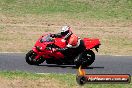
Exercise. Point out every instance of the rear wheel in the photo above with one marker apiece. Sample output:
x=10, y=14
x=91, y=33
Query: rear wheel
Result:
x=30, y=58
x=85, y=59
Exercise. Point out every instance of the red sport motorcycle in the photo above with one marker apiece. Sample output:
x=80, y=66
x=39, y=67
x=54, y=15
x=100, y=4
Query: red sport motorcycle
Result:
x=43, y=51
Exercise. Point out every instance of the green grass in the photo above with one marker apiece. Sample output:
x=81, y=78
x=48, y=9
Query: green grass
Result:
x=79, y=9
x=67, y=79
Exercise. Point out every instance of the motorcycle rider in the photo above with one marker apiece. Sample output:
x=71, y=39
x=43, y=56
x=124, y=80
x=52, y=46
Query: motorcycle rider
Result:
x=72, y=40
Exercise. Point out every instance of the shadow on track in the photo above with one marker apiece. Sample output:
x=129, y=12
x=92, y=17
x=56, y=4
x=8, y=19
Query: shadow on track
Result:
x=70, y=66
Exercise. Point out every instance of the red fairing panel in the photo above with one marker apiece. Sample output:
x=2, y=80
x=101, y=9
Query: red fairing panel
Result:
x=91, y=43
x=60, y=42
x=57, y=55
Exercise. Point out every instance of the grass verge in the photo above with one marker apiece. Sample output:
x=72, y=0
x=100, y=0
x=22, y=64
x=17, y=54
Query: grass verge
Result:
x=116, y=41
x=32, y=80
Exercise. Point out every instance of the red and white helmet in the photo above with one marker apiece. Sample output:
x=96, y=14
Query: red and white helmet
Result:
x=65, y=30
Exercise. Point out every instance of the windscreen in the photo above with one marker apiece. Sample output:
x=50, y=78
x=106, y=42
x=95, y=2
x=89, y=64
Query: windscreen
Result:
x=46, y=38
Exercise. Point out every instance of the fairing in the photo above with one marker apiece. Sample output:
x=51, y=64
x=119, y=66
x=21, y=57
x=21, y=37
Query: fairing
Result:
x=40, y=48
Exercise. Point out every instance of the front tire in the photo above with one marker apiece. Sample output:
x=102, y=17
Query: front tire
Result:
x=30, y=58
x=85, y=59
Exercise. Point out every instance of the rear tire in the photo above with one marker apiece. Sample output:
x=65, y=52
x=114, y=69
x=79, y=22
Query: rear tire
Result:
x=85, y=59
x=30, y=58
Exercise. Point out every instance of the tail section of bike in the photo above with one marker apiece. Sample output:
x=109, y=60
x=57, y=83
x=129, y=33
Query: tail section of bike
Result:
x=91, y=43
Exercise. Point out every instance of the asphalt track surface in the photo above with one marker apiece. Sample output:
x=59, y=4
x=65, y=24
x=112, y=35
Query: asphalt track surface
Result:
x=102, y=65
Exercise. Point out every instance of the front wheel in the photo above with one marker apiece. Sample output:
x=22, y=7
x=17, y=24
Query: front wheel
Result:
x=30, y=58
x=85, y=59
